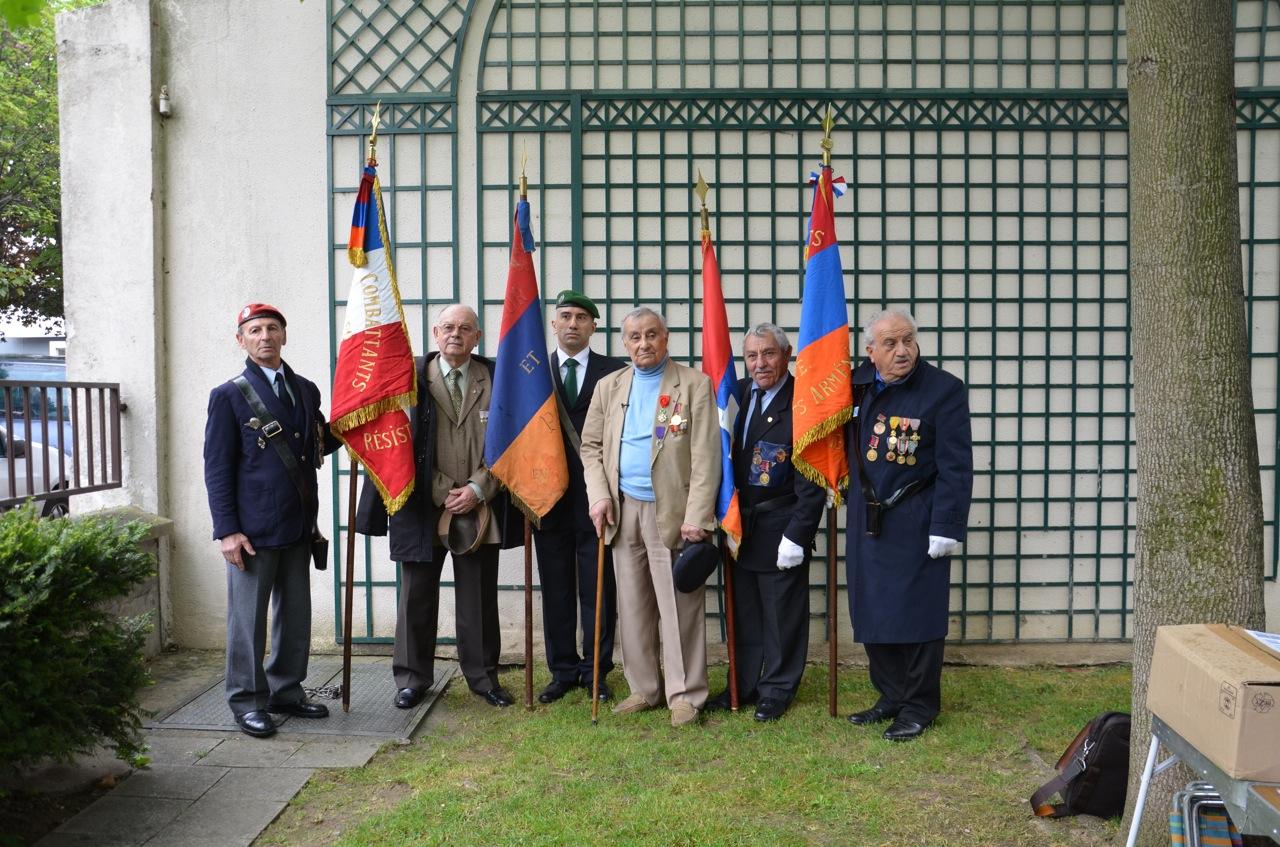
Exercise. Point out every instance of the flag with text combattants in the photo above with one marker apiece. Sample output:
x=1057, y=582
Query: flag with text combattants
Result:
x=374, y=382
x=717, y=363
x=523, y=444
x=823, y=401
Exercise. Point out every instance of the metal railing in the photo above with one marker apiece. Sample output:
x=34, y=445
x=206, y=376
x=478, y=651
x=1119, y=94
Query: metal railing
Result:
x=58, y=439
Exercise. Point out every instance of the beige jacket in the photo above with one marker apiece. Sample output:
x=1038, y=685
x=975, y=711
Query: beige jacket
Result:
x=460, y=443
x=685, y=467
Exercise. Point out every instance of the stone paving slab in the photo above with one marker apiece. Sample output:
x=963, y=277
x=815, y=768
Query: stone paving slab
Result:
x=323, y=753
x=131, y=820
x=258, y=783
x=222, y=820
x=186, y=748
x=176, y=782
x=246, y=752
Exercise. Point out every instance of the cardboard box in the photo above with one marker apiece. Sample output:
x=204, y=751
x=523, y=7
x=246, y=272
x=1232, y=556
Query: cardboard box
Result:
x=1219, y=688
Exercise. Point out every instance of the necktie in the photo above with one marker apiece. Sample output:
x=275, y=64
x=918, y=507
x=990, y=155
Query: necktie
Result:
x=455, y=391
x=571, y=380
x=757, y=397
x=282, y=392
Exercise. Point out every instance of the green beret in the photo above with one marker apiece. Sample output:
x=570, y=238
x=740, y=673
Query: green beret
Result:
x=569, y=297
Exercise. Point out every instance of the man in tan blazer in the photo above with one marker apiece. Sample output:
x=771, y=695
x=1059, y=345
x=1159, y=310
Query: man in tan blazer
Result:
x=452, y=485
x=651, y=456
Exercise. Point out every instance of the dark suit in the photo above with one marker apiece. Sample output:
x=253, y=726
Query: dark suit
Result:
x=898, y=596
x=252, y=492
x=771, y=605
x=567, y=546
x=415, y=541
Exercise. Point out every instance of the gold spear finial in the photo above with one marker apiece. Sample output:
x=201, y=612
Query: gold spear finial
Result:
x=827, y=125
x=373, y=134
x=524, y=180
x=700, y=188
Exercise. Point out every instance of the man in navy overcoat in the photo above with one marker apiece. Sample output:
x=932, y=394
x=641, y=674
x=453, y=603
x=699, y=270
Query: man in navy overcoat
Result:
x=263, y=517
x=911, y=478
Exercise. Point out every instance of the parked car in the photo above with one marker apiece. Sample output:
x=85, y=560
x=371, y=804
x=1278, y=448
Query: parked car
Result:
x=20, y=449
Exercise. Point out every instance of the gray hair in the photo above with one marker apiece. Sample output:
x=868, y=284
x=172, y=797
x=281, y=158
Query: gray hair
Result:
x=440, y=314
x=766, y=329
x=869, y=338
x=644, y=312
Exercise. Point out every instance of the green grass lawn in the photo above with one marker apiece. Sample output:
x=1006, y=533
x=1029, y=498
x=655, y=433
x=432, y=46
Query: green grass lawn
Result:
x=478, y=775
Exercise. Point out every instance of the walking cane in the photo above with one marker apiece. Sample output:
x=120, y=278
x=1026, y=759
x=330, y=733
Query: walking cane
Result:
x=726, y=560
x=595, y=652
x=351, y=578
x=528, y=615
x=833, y=589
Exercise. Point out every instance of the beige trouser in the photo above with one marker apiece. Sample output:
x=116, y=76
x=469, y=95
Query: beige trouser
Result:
x=649, y=605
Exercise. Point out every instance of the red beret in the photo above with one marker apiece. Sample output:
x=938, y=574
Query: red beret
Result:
x=259, y=310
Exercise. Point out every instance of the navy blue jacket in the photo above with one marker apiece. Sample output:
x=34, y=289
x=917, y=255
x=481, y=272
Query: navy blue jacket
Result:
x=250, y=490
x=762, y=472
x=897, y=594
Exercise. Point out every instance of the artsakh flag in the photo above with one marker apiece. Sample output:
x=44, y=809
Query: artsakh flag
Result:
x=523, y=445
x=717, y=363
x=823, y=401
x=374, y=382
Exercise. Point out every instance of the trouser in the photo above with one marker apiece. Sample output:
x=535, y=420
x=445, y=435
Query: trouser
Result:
x=281, y=577
x=771, y=632
x=909, y=678
x=567, y=575
x=649, y=606
x=475, y=578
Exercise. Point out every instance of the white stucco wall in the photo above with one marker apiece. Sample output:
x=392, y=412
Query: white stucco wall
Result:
x=172, y=224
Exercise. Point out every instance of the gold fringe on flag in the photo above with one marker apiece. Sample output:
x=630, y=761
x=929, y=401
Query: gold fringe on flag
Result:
x=393, y=504
x=814, y=435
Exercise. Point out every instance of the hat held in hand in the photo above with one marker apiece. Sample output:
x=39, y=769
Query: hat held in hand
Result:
x=696, y=562
x=464, y=534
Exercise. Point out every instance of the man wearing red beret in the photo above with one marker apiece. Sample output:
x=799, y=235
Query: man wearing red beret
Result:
x=263, y=441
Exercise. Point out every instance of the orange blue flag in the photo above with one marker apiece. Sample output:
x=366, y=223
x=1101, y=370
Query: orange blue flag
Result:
x=374, y=381
x=717, y=363
x=523, y=445
x=823, y=401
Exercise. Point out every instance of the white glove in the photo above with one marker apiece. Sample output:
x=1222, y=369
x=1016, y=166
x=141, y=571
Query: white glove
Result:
x=790, y=554
x=939, y=546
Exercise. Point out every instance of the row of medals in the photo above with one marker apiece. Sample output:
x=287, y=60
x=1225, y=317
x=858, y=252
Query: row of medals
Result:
x=901, y=446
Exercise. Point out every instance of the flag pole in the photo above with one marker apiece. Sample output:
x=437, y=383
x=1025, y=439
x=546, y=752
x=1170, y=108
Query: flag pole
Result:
x=595, y=649
x=833, y=584
x=350, y=587
x=528, y=532
x=700, y=188
x=349, y=596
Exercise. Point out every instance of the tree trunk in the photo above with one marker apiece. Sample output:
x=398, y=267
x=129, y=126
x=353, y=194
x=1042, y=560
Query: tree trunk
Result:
x=1199, y=507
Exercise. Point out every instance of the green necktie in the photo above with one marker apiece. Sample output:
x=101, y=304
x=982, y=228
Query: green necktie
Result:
x=455, y=392
x=571, y=380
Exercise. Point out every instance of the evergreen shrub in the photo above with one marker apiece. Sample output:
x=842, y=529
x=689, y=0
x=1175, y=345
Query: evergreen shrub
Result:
x=70, y=669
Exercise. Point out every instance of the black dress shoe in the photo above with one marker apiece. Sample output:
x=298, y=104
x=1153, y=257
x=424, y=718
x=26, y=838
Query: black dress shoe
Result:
x=554, y=691
x=407, y=698
x=497, y=696
x=903, y=730
x=256, y=723
x=873, y=715
x=300, y=709
x=770, y=709
x=722, y=703
x=605, y=694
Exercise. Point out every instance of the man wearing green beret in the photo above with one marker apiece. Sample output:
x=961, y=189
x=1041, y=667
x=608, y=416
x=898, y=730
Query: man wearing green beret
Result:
x=566, y=541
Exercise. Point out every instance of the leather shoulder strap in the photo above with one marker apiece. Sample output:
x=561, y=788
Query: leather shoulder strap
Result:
x=272, y=429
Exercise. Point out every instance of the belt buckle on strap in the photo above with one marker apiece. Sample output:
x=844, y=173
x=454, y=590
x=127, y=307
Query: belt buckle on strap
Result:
x=272, y=429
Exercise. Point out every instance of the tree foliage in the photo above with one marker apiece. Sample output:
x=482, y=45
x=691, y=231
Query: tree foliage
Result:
x=22, y=13
x=30, y=201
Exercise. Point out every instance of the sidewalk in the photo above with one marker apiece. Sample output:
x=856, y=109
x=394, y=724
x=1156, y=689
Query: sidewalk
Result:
x=209, y=786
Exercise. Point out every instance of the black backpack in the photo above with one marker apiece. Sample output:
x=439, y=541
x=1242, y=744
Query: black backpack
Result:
x=1093, y=773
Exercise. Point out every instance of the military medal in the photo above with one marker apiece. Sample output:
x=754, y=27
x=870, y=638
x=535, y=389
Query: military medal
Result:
x=911, y=452
x=262, y=443
x=902, y=460
x=662, y=416
x=676, y=420
x=764, y=478
x=755, y=457
x=878, y=429
x=659, y=431
x=893, y=422
x=664, y=400
x=872, y=455
x=780, y=456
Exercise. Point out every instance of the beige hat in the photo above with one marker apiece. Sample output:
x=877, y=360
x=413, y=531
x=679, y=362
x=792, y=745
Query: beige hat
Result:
x=464, y=534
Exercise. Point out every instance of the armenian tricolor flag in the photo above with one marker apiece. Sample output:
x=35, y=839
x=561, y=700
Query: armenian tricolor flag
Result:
x=717, y=363
x=824, y=393
x=374, y=382
x=523, y=445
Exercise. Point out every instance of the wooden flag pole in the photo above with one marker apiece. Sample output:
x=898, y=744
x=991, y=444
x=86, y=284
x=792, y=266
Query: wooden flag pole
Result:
x=350, y=587
x=833, y=605
x=528, y=615
x=595, y=651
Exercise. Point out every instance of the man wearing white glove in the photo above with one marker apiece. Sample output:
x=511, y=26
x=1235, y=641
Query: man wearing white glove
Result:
x=780, y=514
x=911, y=478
